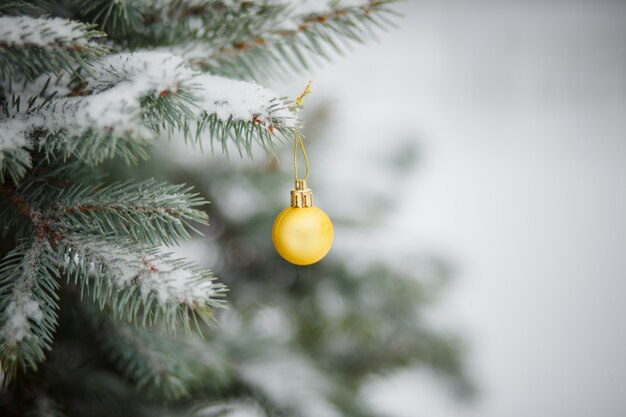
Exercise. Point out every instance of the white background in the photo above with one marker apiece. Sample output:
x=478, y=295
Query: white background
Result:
x=520, y=111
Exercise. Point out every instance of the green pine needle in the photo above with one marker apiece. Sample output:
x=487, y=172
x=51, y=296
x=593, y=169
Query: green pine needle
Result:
x=28, y=306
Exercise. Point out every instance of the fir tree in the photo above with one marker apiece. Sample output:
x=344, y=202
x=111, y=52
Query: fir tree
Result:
x=97, y=317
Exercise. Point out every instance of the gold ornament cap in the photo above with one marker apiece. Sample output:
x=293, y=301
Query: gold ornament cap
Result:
x=301, y=195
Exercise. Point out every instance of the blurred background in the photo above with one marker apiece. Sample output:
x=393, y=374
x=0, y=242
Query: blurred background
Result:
x=518, y=111
x=473, y=161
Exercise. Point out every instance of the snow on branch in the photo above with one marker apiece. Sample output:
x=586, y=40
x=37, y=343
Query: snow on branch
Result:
x=25, y=31
x=117, y=89
x=130, y=99
x=143, y=285
x=23, y=305
x=30, y=46
x=14, y=155
x=106, y=119
x=28, y=303
x=13, y=135
x=240, y=112
x=240, y=100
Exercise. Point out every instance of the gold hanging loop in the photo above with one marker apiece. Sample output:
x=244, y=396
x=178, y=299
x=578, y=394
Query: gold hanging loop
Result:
x=306, y=92
x=298, y=140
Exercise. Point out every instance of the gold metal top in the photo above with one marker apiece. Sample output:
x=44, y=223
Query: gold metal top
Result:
x=301, y=196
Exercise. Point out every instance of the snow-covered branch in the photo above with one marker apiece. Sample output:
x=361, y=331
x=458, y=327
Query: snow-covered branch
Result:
x=234, y=100
x=115, y=91
x=39, y=32
x=28, y=303
x=130, y=99
x=30, y=46
x=148, y=286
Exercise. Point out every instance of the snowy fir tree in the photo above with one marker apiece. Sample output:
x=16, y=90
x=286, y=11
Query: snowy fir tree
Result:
x=98, y=317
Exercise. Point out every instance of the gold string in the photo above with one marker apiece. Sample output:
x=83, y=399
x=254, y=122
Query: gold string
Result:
x=306, y=92
x=298, y=139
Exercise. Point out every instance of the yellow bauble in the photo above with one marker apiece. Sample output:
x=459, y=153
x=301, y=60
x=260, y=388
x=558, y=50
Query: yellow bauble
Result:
x=302, y=235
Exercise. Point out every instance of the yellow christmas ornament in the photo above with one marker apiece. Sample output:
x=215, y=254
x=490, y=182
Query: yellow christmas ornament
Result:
x=302, y=233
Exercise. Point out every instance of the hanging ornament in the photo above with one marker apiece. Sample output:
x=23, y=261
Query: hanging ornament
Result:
x=302, y=233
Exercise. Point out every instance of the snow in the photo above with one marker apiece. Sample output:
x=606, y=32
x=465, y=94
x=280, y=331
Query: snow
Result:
x=40, y=32
x=156, y=274
x=23, y=308
x=152, y=70
x=118, y=87
x=174, y=284
x=37, y=90
x=13, y=135
x=240, y=100
x=20, y=311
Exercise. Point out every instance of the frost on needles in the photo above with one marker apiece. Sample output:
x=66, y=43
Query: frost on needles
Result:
x=107, y=241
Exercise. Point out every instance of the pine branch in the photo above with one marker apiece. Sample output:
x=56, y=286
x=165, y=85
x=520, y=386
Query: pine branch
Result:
x=154, y=365
x=159, y=366
x=139, y=24
x=179, y=20
x=241, y=38
x=127, y=276
x=134, y=98
x=30, y=46
x=270, y=38
x=21, y=8
x=93, y=146
x=142, y=285
x=106, y=119
x=119, y=19
x=138, y=283
x=239, y=112
x=149, y=212
x=28, y=302
x=25, y=205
